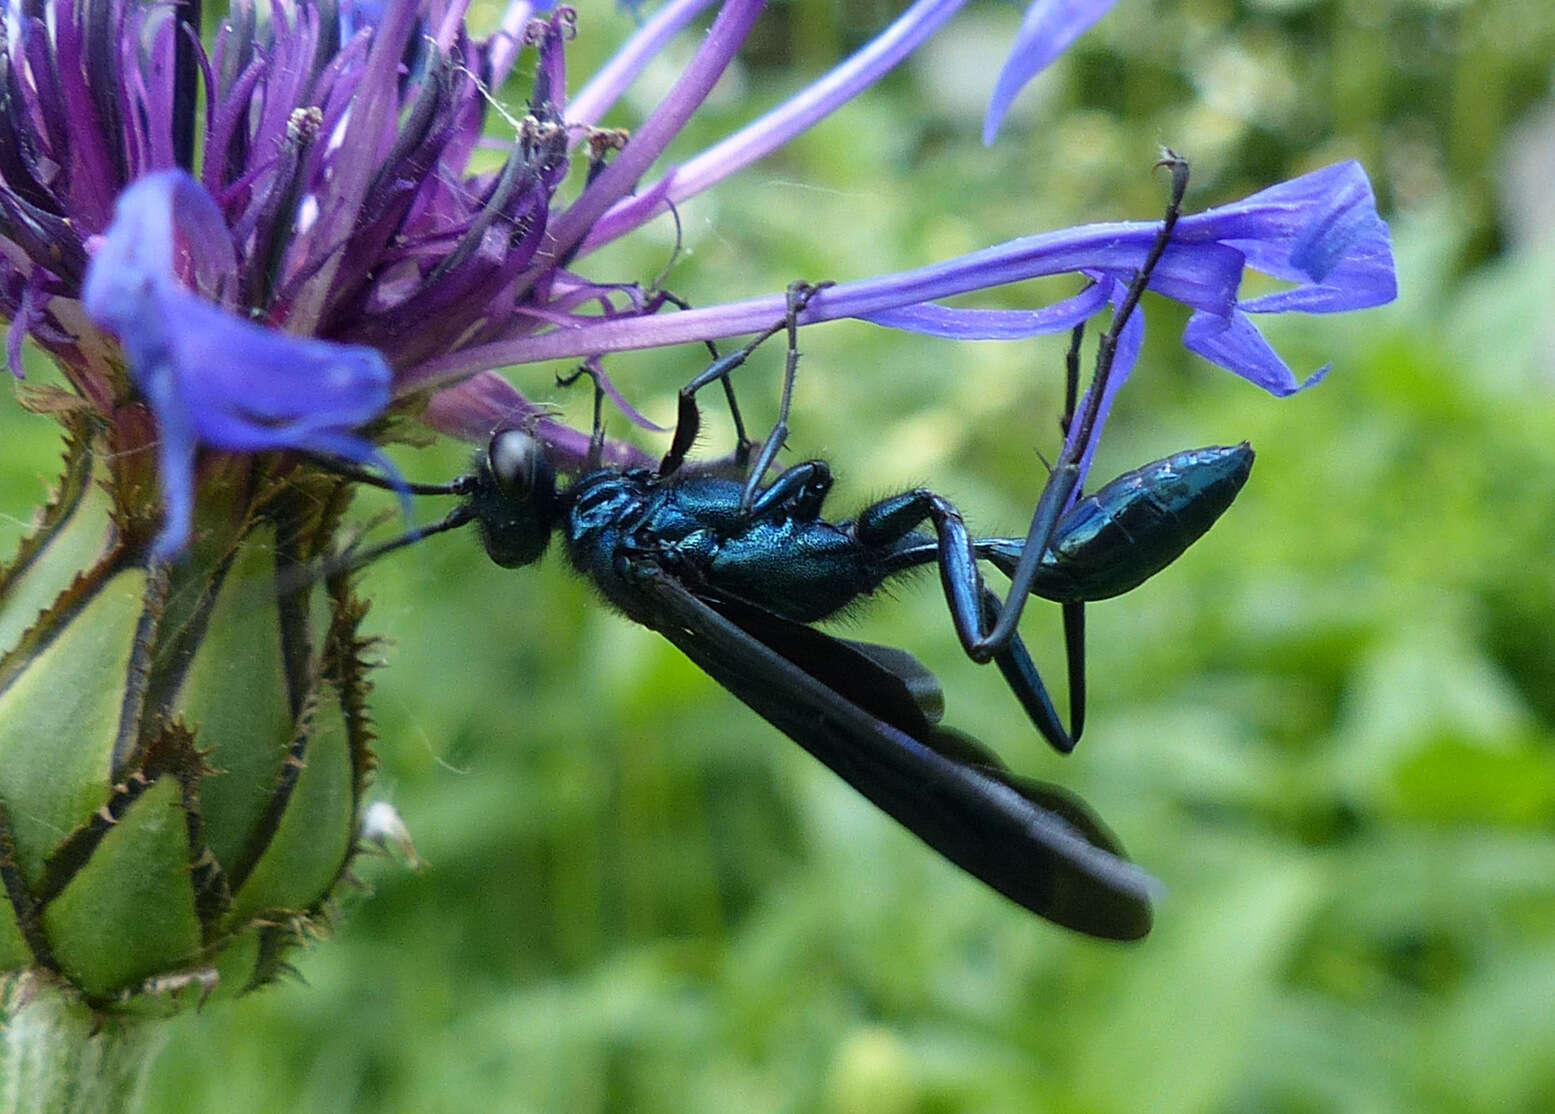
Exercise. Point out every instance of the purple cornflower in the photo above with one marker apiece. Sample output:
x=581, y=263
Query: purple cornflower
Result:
x=335, y=253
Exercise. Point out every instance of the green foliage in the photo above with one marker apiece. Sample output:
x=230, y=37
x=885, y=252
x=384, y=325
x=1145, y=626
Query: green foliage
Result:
x=1330, y=728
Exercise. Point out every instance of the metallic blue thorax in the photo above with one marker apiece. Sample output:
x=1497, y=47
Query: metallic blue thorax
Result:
x=785, y=559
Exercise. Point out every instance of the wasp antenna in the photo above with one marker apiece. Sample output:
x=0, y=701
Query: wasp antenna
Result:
x=357, y=474
x=350, y=560
x=298, y=577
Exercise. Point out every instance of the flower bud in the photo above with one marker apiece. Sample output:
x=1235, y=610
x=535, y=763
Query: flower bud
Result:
x=183, y=745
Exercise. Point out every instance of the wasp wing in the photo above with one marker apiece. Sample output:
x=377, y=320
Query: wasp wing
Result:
x=859, y=714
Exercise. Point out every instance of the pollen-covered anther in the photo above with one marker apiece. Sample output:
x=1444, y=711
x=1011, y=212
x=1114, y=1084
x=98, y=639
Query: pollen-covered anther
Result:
x=566, y=20
x=304, y=124
x=602, y=141
x=534, y=131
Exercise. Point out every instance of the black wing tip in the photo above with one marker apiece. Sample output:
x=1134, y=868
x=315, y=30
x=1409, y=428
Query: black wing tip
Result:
x=1115, y=910
x=1122, y=924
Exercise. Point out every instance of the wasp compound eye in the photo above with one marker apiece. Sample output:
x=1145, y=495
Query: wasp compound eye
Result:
x=514, y=499
x=519, y=466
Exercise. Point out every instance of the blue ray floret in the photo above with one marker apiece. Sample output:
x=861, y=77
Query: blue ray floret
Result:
x=211, y=377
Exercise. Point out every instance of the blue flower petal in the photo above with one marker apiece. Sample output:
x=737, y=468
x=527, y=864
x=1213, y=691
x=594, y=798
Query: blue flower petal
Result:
x=175, y=462
x=1320, y=231
x=1046, y=32
x=934, y=320
x=211, y=377
x=250, y=388
x=166, y=230
x=1237, y=345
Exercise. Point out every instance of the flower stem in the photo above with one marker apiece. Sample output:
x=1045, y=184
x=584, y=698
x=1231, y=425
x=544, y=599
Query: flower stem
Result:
x=59, y=1056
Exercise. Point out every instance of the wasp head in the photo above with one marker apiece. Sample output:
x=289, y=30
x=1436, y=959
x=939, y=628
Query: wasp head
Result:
x=514, y=498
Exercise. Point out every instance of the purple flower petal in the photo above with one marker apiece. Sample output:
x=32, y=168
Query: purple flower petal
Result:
x=473, y=409
x=479, y=406
x=765, y=134
x=1201, y=275
x=28, y=316
x=732, y=24
x=1046, y=32
x=613, y=78
x=1320, y=231
x=211, y=377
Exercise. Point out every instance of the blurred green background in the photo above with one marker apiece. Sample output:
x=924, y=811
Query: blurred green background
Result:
x=1330, y=728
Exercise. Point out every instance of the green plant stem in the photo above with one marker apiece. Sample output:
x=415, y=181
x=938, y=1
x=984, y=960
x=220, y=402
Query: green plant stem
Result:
x=58, y=1056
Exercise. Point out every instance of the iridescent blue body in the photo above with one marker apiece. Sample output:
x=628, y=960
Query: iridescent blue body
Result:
x=776, y=552
x=732, y=576
x=733, y=573
x=1109, y=542
x=1114, y=540
x=780, y=555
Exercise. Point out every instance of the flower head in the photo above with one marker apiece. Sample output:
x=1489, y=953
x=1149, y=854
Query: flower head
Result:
x=337, y=252
x=268, y=303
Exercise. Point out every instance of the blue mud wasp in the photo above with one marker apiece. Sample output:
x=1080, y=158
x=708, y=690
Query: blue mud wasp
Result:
x=733, y=572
